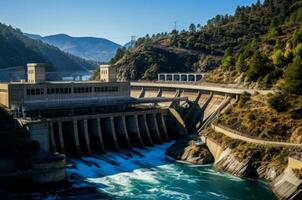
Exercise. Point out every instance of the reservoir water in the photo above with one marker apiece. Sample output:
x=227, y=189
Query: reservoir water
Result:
x=149, y=174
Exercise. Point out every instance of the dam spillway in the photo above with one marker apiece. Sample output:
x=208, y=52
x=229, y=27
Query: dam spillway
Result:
x=82, y=135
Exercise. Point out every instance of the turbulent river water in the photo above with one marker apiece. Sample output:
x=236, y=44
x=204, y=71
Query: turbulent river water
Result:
x=145, y=174
x=149, y=174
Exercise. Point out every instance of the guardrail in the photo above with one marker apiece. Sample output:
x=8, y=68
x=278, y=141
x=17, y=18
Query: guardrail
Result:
x=237, y=135
x=205, y=87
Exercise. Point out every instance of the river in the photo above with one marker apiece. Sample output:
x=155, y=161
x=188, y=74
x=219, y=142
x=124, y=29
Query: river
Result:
x=149, y=174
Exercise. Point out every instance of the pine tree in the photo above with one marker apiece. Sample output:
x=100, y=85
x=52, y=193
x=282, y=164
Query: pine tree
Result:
x=292, y=77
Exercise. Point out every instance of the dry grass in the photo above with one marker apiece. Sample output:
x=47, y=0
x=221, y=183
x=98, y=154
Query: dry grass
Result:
x=256, y=119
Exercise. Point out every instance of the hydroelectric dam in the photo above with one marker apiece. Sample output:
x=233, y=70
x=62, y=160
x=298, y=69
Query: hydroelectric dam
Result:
x=82, y=117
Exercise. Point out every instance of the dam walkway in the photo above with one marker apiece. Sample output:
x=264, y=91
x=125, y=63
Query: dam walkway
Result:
x=239, y=136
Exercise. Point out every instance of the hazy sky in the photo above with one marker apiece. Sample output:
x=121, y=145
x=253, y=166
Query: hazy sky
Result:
x=116, y=20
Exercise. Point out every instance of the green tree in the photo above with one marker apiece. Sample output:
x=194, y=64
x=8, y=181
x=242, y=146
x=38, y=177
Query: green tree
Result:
x=258, y=66
x=278, y=58
x=292, y=77
x=228, y=62
x=192, y=28
x=298, y=50
x=278, y=102
x=240, y=64
x=289, y=55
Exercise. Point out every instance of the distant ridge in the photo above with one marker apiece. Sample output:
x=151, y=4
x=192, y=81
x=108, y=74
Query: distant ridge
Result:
x=90, y=48
x=17, y=49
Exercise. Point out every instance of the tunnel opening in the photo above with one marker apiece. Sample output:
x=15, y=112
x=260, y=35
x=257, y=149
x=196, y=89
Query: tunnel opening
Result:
x=57, y=138
x=70, y=143
x=84, y=144
x=95, y=135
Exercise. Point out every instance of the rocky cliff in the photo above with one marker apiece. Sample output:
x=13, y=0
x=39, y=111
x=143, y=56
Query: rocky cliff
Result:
x=190, y=151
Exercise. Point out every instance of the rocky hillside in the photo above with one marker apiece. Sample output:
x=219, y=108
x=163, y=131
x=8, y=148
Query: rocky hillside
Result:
x=16, y=49
x=266, y=33
x=90, y=48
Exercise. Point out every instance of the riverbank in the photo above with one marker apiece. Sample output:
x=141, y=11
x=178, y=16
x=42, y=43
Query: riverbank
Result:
x=241, y=159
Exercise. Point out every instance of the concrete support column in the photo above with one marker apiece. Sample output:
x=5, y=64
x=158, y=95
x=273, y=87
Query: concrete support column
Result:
x=100, y=135
x=195, y=79
x=61, y=137
x=163, y=121
x=179, y=79
x=159, y=93
x=126, y=132
x=165, y=77
x=156, y=127
x=76, y=137
x=142, y=93
x=115, y=143
x=147, y=129
x=173, y=77
x=188, y=77
x=52, y=138
x=138, y=131
x=87, y=137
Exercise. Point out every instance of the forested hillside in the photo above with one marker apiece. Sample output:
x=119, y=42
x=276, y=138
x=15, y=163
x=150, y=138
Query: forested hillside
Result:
x=17, y=49
x=257, y=44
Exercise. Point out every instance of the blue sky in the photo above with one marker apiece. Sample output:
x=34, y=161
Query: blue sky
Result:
x=116, y=20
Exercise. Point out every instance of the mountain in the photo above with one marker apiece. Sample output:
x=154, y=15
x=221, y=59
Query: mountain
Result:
x=90, y=48
x=16, y=49
x=256, y=44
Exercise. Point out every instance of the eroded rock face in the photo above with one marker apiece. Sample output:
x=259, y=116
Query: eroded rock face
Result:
x=241, y=168
x=269, y=173
x=190, y=151
x=296, y=136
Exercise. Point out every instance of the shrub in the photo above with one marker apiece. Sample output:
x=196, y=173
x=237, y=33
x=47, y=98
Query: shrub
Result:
x=244, y=98
x=278, y=58
x=228, y=111
x=251, y=116
x=296, y=114
x=278, y=102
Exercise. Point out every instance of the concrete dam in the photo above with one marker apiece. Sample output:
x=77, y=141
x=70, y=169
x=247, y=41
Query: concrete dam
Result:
x=188, y=111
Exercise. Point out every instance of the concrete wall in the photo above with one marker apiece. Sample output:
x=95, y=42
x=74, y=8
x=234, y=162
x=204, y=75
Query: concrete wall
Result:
x=215, y=148
x=40, y=132
x=294, y=163
x=20, y=93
